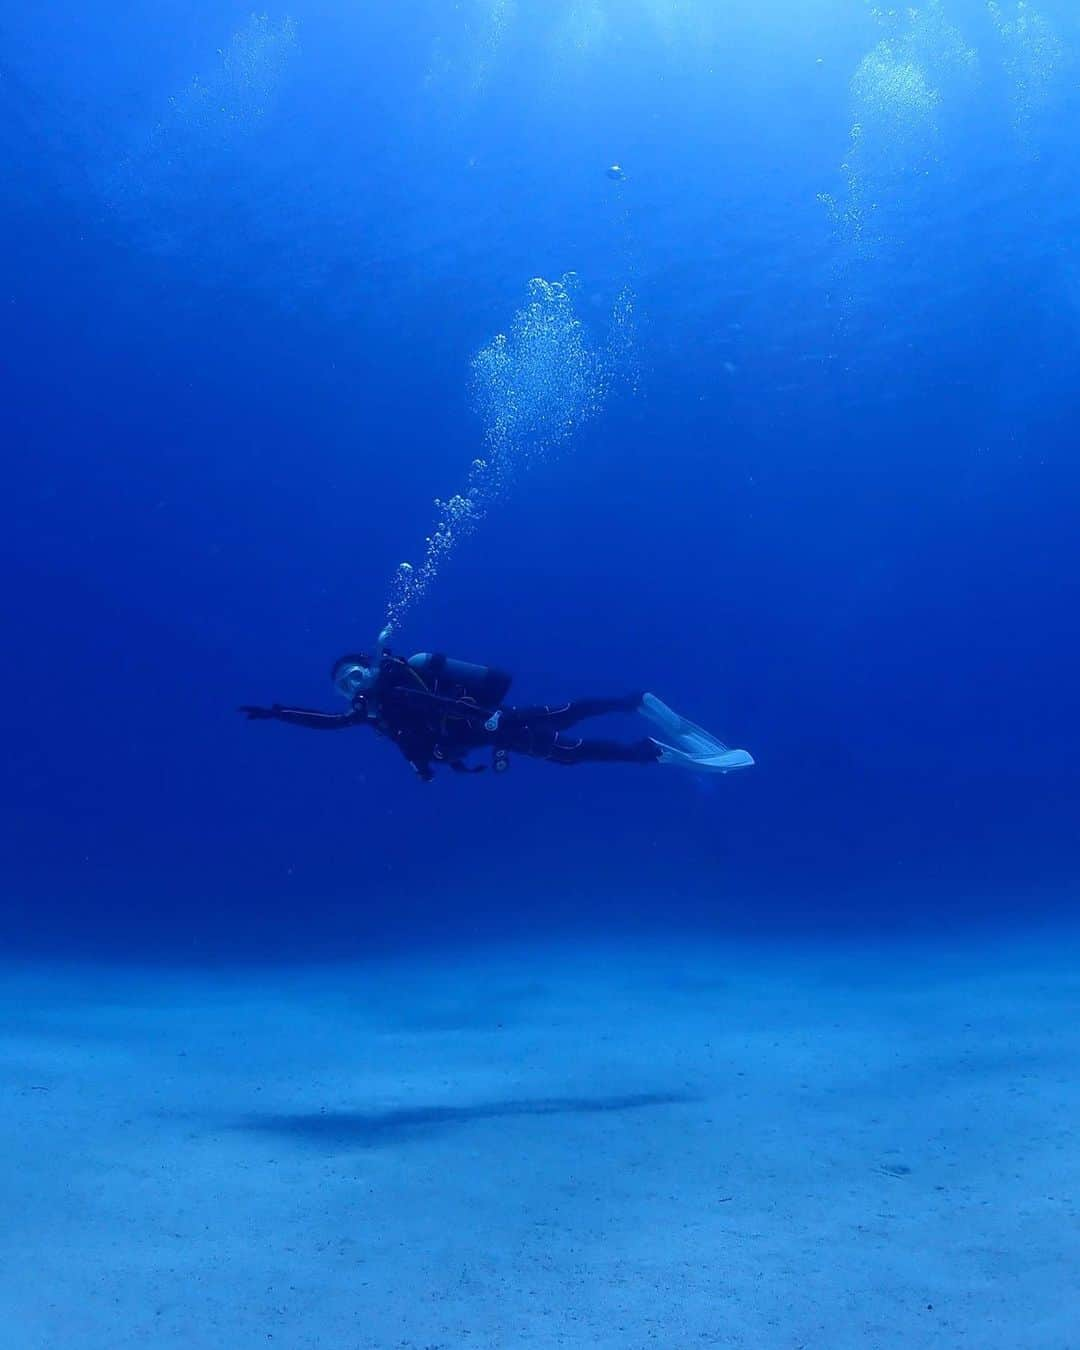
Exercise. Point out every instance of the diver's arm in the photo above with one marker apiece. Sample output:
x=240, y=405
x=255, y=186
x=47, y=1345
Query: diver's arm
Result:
x=417, y=749
x=305, y=717
x=419, y=761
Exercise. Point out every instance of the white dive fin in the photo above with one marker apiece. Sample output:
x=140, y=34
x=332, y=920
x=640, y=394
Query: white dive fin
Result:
x=711, y=761
x=693, y=744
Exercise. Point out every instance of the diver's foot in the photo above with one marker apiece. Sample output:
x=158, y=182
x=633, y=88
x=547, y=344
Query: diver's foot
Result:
x=720, y=761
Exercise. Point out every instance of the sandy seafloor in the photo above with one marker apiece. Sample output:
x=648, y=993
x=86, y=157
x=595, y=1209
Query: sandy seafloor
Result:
x=716, y=1144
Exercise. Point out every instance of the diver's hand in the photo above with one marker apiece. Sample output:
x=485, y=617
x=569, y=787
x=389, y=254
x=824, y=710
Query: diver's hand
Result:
x=257, y=714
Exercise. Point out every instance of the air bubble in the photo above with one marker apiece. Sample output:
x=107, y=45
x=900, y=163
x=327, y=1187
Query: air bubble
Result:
x=533, y=387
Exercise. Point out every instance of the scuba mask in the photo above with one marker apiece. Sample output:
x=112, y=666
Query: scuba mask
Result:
x=352, y=675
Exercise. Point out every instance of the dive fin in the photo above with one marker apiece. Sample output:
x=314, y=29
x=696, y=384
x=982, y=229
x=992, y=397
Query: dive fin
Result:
x=715, y=759
x=694, y=747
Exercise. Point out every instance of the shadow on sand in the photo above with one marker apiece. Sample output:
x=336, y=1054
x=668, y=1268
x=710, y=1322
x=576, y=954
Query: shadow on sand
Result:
x=371, y=1128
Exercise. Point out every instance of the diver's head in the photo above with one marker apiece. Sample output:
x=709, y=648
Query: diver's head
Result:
x=353, y=674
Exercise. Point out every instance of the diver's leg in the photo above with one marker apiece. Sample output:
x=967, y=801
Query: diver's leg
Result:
x=565, y=751
x=568, y=714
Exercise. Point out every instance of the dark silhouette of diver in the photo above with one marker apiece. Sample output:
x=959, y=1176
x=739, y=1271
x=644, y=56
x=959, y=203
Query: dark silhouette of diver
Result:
x=437, y=710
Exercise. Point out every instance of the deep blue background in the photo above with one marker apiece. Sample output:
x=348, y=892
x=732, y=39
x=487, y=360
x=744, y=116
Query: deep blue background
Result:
x=837, y=524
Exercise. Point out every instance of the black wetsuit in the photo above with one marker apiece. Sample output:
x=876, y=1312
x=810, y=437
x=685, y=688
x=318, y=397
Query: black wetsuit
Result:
x=429, y=727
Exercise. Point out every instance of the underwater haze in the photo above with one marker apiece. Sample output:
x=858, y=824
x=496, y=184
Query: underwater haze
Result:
x=725, y=351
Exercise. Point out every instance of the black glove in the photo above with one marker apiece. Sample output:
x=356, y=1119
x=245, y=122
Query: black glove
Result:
x=257, y=714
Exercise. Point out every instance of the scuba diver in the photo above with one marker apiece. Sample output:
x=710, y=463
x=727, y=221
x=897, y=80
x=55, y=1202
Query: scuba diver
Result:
x=437, y=710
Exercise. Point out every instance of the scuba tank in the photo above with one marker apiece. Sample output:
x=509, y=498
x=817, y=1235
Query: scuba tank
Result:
x=482, y=685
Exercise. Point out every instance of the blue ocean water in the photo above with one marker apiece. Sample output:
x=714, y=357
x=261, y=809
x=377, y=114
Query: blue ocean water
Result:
x=827, y=510
x=725, y=351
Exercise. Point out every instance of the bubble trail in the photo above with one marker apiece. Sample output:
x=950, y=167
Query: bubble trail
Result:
x=1035, y=59
x=533, y=388
x=164, y=175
